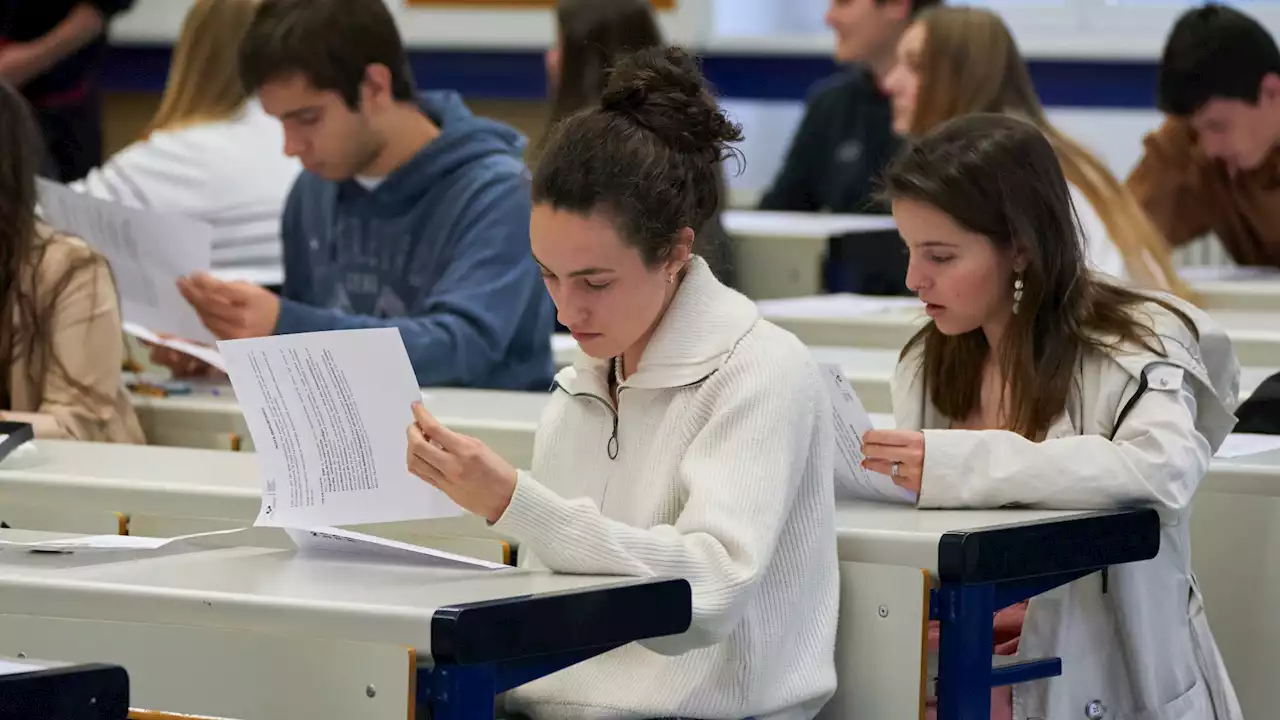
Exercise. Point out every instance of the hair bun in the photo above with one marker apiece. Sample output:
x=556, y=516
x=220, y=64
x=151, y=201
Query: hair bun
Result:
x=662, y=90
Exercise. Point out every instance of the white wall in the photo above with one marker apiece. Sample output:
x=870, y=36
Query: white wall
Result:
x=1092, y=29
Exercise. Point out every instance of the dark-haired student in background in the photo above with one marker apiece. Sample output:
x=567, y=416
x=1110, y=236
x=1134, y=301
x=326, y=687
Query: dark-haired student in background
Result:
x=1214, y=165
x=591, y=36
x=51, y=49
x=411, y=212
x=717, y=469
x=846, y=139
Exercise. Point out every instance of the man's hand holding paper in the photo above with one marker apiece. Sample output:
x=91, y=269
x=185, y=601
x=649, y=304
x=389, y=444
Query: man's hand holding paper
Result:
x=231, y=310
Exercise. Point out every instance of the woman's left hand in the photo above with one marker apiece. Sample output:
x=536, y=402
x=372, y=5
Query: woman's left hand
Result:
x=883, y=448
x=462, y=467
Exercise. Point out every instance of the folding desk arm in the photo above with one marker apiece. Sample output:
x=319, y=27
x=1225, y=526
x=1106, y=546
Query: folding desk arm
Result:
x=453, y=692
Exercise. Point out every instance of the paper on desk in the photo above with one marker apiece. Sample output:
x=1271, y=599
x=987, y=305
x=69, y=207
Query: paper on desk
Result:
x=346, y=541
x=854, y=482
x=15, y=668
x=837, y=306
x=1245, y=444
x=147, y=252
x=109, y=542
x=209, y=355
x=328, y=413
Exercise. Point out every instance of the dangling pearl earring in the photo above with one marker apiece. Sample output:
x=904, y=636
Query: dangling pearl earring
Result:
x=1017, y=292
x=671, y=278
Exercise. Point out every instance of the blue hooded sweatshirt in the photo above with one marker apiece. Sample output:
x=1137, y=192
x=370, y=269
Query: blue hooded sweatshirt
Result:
x=439, y=249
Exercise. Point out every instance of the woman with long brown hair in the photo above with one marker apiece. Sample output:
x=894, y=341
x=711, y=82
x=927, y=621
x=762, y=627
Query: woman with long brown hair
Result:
x=958, y=60
x=61, y=343
x=591, y=37
x=210, y=152
x=1041, y=384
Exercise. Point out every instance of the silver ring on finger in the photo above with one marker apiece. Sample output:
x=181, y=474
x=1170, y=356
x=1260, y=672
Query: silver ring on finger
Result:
x=894, y=469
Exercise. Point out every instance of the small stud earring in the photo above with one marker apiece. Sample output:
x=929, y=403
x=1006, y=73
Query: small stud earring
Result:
x=1017, y=292
x=671, y=278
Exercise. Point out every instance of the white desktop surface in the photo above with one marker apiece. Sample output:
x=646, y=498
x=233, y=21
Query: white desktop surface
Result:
x=1247, y=475
x=885, y=534
x=253, y=588
x=137, y=478
x=862, y=363
x=1234, y=321
x=773, y=224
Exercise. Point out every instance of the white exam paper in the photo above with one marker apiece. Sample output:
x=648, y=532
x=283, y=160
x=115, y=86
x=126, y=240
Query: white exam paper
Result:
x=15, y=668
x=206, y=353
x=328, y=413
x=147, y=252
x=1245, y=444
x=347, y=541
x=110, y=542
x=854, y=482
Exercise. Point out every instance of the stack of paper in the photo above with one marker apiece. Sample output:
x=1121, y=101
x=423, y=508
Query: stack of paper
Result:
x=328, y=413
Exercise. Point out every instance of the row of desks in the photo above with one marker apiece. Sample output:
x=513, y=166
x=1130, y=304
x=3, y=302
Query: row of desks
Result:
x=209, y=417
x=270, y=632
x=850, y=320
x=780, y=255
x=1237, y=510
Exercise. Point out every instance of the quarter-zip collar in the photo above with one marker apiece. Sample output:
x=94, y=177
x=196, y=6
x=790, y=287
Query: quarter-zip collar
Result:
x=696, y=336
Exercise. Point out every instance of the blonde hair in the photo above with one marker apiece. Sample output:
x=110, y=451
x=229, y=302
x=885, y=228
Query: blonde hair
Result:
x=204, y=81
x=971, y=64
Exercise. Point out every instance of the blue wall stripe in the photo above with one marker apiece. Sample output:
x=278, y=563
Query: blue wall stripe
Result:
x=520, y=76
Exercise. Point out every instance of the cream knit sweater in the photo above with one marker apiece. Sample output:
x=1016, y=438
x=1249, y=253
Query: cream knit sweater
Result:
x=722, y=476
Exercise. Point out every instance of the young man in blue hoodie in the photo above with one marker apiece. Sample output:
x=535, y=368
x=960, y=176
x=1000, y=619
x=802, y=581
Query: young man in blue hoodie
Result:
x=412, y=212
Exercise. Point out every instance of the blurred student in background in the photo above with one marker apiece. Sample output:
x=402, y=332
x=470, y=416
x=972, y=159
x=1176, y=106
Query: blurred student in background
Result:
x=1214, y=166
x=591, y=36
x=51, y=50
x=61, y=341
x=210, y=152
x=954, y=61
x=411, y=213
x=845, y=140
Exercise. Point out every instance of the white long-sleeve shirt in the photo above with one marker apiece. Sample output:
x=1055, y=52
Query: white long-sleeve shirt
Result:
x=722, y=475
x=232, y=174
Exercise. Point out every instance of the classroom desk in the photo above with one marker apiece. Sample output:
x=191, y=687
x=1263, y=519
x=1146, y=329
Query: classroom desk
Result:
x=210, y=416
x=1255, y=335
x=846, y=320
x=860, y=321
x=250, y=609
x=1235, y=551
x=269, y=633
x=780, y=254
x=1235, y=288
x=900, y=567
x=174, y=491
x=104, y=488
